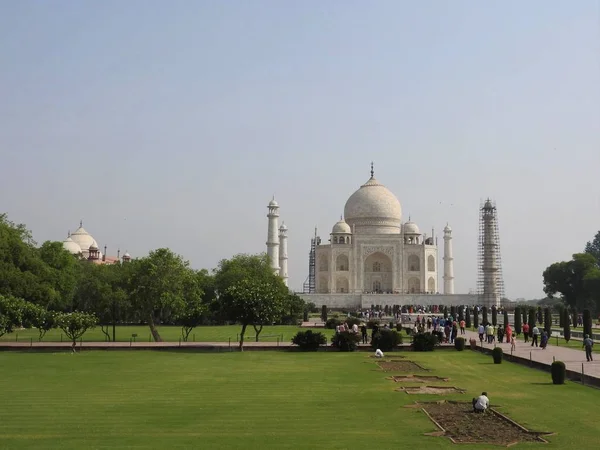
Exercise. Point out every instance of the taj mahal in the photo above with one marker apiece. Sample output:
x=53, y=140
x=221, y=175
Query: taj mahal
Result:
x=372, y=257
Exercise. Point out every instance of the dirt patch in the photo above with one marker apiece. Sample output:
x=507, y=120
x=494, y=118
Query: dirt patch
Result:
x=417, y=378
x=457, y=421
x=400, y=366
x=385, y=359
x=439, y=390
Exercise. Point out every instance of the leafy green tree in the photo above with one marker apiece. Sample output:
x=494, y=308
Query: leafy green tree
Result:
x=253, y=302
x=293, y=309
x=11, y=313
x=577, y=280
x=60, y=274
x=75, y=324
x=587, y=322
x=593, y=248
x=156, y=286
x=566, y=325
x=547, y=321
x=193, y=309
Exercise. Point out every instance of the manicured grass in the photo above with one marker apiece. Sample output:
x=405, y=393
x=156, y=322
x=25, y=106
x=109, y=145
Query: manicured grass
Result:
x=171, y=333
x=263, y=400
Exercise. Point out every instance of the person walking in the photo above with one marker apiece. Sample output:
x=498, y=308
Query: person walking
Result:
x=526, y=331
x=588, y=344
x=363, y=332
x=536, y=333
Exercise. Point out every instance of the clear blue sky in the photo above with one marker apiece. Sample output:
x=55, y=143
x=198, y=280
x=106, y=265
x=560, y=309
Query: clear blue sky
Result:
x=173, y=123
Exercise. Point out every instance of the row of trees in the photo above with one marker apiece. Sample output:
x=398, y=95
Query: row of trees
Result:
x=160, y=288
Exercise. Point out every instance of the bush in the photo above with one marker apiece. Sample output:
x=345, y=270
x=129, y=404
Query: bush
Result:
x=309, y=340
x=424, y=342
x=346, y=341
x=484, y=315
x=494, y=316
x=324, y=313
x=468, y=317
x=559, y=372
x=497, y=355
x=567, y=325
x=352, y=321
x=398, y=327
x=459, y=343
x=386, y=340
x=518, y=323
x=547, y=321
x=305, y=315
x=475, y=318
x=373, y=323
x=332, y=323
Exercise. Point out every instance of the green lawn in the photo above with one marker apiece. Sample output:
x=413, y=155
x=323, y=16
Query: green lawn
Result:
x=170, y=333
x=263, y=400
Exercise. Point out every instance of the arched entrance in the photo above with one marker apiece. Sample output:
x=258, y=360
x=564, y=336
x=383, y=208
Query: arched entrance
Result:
x=378, y=273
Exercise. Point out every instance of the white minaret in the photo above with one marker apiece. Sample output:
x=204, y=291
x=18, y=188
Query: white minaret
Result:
x=272, y=238
x=283, y=257
x=448, y=261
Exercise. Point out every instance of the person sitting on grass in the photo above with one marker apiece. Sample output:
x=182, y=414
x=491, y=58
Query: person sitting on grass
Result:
x=481, y=403
x=378, y=354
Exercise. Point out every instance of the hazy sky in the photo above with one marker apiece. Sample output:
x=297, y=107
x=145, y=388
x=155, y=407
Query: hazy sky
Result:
x=172, y=123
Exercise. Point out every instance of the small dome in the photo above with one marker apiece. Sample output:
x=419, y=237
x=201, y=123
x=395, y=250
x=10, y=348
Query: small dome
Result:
x=341, y=227
x=283, y=227
x=411, y=228
x=447, y=229
x=71, y=246
x=126, y=256
x=273, y=203
x=83, y=239
x=94, y=246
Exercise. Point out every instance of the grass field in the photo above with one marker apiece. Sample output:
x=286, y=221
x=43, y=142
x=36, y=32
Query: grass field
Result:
x=170, y=333
x=264, y=400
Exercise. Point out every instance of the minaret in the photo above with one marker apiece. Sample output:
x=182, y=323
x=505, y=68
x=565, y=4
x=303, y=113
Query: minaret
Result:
x=283, y=257
x=448, y=261
x=491, y=287
x=272, y=239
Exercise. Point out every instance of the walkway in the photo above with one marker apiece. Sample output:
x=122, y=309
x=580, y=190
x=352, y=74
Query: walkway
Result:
x=573, y=359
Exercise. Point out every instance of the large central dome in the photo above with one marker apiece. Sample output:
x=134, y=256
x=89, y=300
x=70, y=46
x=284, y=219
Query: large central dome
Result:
x=373, y=209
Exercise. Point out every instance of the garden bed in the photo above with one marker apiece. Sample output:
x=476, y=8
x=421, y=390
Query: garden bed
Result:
x=417, y=378
x=436, y=390
x=458, y=422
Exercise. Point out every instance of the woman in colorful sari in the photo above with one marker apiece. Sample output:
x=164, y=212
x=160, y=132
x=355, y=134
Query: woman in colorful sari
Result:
x=508, y=333
x=544, y=340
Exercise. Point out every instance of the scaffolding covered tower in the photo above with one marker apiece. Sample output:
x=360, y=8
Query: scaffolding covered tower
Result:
x=310, y=285
x=490, y=284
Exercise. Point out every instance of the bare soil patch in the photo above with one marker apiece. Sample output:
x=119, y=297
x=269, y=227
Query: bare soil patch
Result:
x=386, y=359
x=417, y=378
x=400, y=366
x=457, y=421
x=439, y=390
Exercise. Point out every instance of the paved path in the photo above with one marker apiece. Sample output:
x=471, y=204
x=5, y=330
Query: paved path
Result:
x=572, y=358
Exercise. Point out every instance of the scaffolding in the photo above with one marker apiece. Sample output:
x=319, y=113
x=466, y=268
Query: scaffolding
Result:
x=310, y=284
x=490, y=283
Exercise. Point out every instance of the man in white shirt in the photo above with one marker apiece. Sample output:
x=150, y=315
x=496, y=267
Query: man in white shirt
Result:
x=481, y=331
x=481, y=403
x=378, y=354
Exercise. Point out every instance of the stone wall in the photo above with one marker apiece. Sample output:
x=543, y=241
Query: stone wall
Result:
x=364, y=301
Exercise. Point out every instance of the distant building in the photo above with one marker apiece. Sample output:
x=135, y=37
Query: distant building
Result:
x=82, y=244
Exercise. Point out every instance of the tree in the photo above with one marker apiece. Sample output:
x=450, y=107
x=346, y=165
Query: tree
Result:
x=453, y=312
x=547, y=321
x=156, y=286
x=485, y=316
x=475, y=318
x=506, y=322
x=587, y=322
x=192, y=309
x=75, y=324
x=494, y=315
x=324, y=313
x=11, y=313
x=40, y=318
x=518, y=321
x=467, y=317
x=531, y=321
x=593, y=248
x=577, y=280
x=61, y=274
x=566, y=325
x=540, y=317
x=293, y=308
x=445, y=312
x=253, y=302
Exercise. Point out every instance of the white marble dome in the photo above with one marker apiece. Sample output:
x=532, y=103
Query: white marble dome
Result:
x=411, y=228
x=83, y=239
x=341, y=227
x=373, y=209
x=71, y=246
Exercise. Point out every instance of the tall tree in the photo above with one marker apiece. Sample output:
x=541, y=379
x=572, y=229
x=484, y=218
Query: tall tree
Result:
x=547, y=321
x=494, y=315
x=518, y=320
x=531, y=321
x=61, y=274
x=75, y=324
x=253, y=302
x=193, y=308
x=566, y=325
x=576, y=280
x=484, y=316
x=156, y=286
x=593, y=248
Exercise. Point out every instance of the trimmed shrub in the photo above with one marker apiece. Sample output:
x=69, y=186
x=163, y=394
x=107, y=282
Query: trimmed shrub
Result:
x=587, y=322
x=567, y=325
x=308, y=340
x=324, y=313
x=445, y=312
x=531, y=321
x=424, y=342
x=398, y=327
x=547, y=321
x=305, y=316
x=559, y=372
x=518, y=318
x=453, y=312
x=461, y=313
x=497, y=355
x=386, y=340
x=467, y=317
x=332, y=323
x=459, y=343
x=484, y=316
x=540, y=317
x=506, y=321
x=494, y=316
x=475, y=318
x=352, y=321
x=373, y=323
x=575, y=315
x=346, y=341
